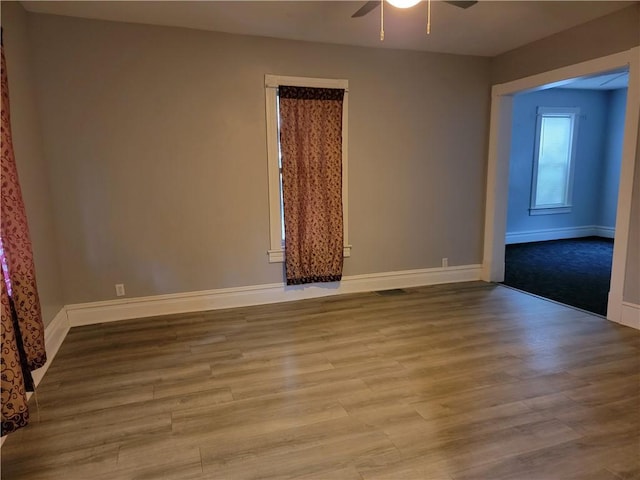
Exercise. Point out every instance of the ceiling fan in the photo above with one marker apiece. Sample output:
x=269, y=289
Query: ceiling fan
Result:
x=373, y=4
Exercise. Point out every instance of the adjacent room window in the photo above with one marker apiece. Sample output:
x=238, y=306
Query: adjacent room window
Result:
x=276, y=213
x=553, y=162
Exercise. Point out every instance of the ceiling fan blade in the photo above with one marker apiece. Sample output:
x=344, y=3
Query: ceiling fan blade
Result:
x=366, y=8
x=463, y=4
x=373, y=4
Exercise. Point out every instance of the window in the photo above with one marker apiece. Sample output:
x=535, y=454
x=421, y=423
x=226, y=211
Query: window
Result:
x=276, y=220
x=5, y=269
x=553, y=163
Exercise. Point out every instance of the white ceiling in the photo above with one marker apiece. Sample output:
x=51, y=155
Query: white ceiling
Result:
x=488, y=28
x=607, y=81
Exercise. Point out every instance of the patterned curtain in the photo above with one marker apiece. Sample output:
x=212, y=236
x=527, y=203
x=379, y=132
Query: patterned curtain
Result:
x=311, y=148
x=15, y=413
x=22, y=328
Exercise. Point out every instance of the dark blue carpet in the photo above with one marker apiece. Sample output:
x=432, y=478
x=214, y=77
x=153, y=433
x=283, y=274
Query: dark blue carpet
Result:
x=575, y=272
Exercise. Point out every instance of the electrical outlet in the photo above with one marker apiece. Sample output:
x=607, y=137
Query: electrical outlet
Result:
x=445, y=262
x=120, y=289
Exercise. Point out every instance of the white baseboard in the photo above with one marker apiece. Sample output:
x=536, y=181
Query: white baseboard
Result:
x=54, y=335
x=630, y=315
x=606, y=232
x=559, y=233
x=115, y=310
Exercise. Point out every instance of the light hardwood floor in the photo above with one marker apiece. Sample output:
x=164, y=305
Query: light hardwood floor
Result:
x=463, y=381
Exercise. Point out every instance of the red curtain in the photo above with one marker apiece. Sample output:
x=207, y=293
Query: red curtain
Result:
x=15, y=413
x=311, y=146
x=22, y=329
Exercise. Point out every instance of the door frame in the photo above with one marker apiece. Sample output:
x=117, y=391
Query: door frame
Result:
x=498, y=164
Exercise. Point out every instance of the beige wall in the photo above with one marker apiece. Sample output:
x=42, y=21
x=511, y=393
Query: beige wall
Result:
x=156, y=141
x=603, y=36
x=632, y=274
x=613, y=33
x=32, y=168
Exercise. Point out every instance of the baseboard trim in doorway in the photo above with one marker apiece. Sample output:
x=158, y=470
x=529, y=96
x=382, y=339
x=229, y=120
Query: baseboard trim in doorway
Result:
x=559, y=234
x=140, y=307
x=630, y=316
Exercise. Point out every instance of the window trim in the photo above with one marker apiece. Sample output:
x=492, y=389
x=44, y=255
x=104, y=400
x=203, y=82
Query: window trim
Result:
x=271, y=84
x=566, y=207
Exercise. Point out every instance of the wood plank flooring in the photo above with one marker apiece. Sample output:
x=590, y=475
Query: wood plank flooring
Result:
x=451, y=382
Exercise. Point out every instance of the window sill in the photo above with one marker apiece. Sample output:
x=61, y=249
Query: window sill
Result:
x=550, y=210
x=277, y=256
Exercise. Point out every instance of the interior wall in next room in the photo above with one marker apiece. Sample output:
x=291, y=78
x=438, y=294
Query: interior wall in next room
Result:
x=596, y=169
x=612, y=156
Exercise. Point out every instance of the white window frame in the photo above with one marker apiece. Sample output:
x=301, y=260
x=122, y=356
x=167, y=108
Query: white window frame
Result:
x=573, y=113
x=271, y=83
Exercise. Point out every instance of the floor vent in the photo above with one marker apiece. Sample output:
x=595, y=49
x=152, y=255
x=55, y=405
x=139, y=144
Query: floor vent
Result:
x=391, y=292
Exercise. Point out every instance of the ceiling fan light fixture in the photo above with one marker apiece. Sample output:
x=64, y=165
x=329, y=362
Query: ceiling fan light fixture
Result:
x=403, y=3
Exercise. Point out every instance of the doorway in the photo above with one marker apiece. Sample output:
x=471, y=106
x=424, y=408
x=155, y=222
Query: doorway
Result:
x=498, y=165
x=564, y=171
